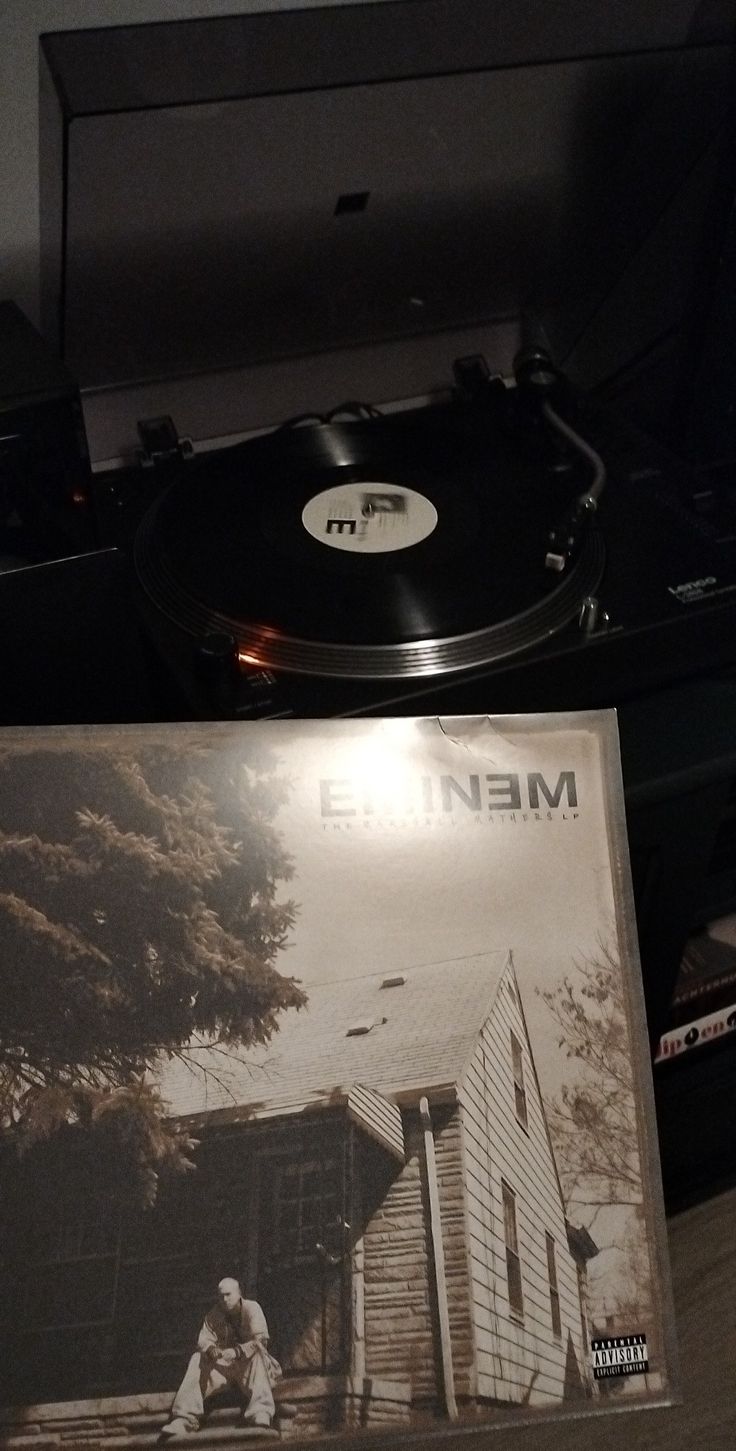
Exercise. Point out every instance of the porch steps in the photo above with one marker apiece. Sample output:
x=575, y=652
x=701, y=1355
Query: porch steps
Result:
x=223, y=1428
x=223, y=1436
x=305, y=1406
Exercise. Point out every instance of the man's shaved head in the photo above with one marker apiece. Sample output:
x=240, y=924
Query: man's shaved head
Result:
x=228, y=1293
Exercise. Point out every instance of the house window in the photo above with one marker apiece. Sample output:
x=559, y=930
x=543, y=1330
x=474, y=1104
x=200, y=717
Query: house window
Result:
x=308, y=1206
x=70, y=1278
x=58, y=1305
x=583, y=1307
x=554, y=1294
x=513, y=1263
x=517, y=1067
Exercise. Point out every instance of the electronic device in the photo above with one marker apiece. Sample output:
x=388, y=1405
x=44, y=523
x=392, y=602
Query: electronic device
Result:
x=452, y=553
x=44, y=461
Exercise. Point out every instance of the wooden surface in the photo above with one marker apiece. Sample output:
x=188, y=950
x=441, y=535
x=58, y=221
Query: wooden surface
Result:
x=703, y=1255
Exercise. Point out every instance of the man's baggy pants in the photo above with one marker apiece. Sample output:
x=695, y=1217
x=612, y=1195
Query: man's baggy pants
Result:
x=203, y=1378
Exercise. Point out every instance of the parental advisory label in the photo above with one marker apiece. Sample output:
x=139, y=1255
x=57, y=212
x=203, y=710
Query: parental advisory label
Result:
x=619, y=1355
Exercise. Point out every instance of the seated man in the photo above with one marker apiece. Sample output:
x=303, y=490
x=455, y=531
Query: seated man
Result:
x=231, y=1350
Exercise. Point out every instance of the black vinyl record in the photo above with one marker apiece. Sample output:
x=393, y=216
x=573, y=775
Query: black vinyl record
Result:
x=367, y=549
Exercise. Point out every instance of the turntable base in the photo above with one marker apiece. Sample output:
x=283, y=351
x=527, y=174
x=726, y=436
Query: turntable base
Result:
x=397, y=562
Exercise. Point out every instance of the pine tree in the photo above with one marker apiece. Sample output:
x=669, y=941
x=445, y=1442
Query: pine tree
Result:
x=139, y=910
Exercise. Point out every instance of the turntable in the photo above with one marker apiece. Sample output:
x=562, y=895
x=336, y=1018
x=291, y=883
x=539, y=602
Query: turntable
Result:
x=383, y=191
x=468, y=550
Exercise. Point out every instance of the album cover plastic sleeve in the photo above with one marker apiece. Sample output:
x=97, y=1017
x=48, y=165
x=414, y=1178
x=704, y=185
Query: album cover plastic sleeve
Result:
x=325, y=1088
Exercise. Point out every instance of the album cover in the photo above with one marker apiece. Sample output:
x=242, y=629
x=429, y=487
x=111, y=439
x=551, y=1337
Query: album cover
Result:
x=708, y=968
x=325, y=1089
x=703, y=1008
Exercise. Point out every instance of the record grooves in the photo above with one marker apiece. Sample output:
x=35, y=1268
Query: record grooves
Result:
x=243, y=555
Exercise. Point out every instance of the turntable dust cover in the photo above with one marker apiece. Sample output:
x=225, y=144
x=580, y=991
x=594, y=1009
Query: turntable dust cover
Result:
x=326, y=1098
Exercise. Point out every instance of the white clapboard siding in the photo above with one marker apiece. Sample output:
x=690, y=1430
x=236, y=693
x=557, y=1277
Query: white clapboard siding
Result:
x=518, y=1358
x=377, y=1117
x=399, y=1296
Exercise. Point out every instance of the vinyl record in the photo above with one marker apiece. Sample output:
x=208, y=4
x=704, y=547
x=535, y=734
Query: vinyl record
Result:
x=367, y=550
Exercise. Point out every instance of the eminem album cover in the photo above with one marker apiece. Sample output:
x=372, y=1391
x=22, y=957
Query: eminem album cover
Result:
x=326, y=1102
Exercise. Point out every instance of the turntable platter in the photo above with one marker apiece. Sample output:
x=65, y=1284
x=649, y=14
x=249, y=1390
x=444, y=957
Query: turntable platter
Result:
x=368, y=550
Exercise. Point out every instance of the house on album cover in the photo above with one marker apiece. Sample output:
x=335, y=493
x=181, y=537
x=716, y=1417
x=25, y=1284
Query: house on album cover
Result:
x=380, y=1178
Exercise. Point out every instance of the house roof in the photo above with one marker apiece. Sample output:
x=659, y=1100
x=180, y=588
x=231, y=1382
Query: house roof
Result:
x=422, y=1034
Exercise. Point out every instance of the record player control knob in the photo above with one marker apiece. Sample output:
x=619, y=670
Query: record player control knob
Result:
x=591, y=617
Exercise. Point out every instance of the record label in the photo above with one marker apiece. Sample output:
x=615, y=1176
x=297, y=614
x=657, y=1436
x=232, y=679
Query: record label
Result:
x=369, y=518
